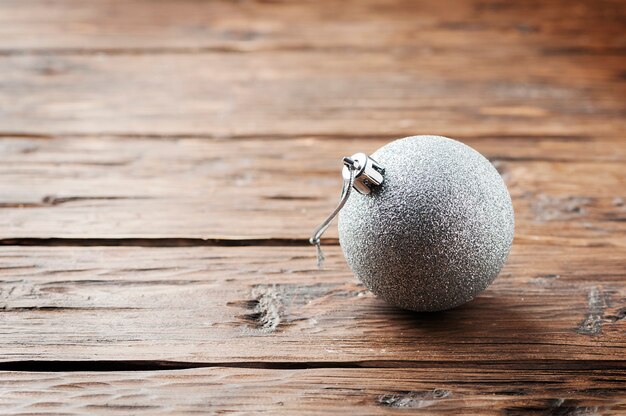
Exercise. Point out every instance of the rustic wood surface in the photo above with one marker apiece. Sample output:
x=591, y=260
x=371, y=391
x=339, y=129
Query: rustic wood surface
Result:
x=163, y=164
x=277, y=189
x=432, y=389
x=236, y=304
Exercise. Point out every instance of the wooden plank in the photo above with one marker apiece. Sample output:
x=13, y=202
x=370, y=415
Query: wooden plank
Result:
x=271, y=304
x=437, y=390
x=167, y=123
x=222, y=69
x=187, y=25
x=569, y=192
x=314, y=92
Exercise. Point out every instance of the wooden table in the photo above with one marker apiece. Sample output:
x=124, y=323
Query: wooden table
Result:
x=163, y=164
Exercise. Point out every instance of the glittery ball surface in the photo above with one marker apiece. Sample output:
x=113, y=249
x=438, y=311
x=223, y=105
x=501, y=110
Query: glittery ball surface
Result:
x=436, y=232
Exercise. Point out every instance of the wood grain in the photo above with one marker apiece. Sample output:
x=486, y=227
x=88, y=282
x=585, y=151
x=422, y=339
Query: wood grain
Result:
x=187, y=26
x=271, y=304
x=436, y=390
x=200, y=141
x=312, y=92
x=568, y=192
x=347, y=68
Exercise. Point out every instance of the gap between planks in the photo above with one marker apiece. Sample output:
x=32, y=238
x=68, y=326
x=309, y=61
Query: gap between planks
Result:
x=170, y=51
x=245, y=242
x=162, y=242
x=564, y=51
x=464, y=138
x=160, y=365
x=278, y=136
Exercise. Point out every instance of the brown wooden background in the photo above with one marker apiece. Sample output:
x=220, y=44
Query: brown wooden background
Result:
x=162, y=165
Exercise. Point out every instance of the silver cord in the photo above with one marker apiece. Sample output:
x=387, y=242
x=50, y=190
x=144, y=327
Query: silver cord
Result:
x=353, y=166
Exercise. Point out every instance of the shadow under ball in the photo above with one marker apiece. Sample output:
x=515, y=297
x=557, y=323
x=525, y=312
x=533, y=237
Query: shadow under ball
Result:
x=438, y=229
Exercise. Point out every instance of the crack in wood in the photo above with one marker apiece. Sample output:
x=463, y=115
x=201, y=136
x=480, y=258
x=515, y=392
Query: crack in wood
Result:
x=50, y=201
x=553, y=407
x=515, y=391
x=618, y=316
x=290, y=198
x=592, y=324
x=6, y=308
x=550, y=208
x=221, y=49
x=268, y=311
x=413, y=399
x=584, y=50
x=161, y=242
x=270, y=304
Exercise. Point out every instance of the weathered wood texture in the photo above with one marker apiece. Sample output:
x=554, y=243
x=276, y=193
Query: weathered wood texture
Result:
x=68, y=26
x=569, y=192
x=212, y=125
x=430, y=390
x=232, y=304
x=333, y=68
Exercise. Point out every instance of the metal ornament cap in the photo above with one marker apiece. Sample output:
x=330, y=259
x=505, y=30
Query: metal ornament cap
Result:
x=367, y=172
x=438, y=229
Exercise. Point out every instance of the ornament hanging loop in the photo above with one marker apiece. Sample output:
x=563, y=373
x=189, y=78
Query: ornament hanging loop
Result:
x=360, y=172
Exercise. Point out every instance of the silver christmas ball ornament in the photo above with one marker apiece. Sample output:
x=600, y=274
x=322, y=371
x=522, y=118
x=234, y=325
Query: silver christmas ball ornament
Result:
x=430, y=225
